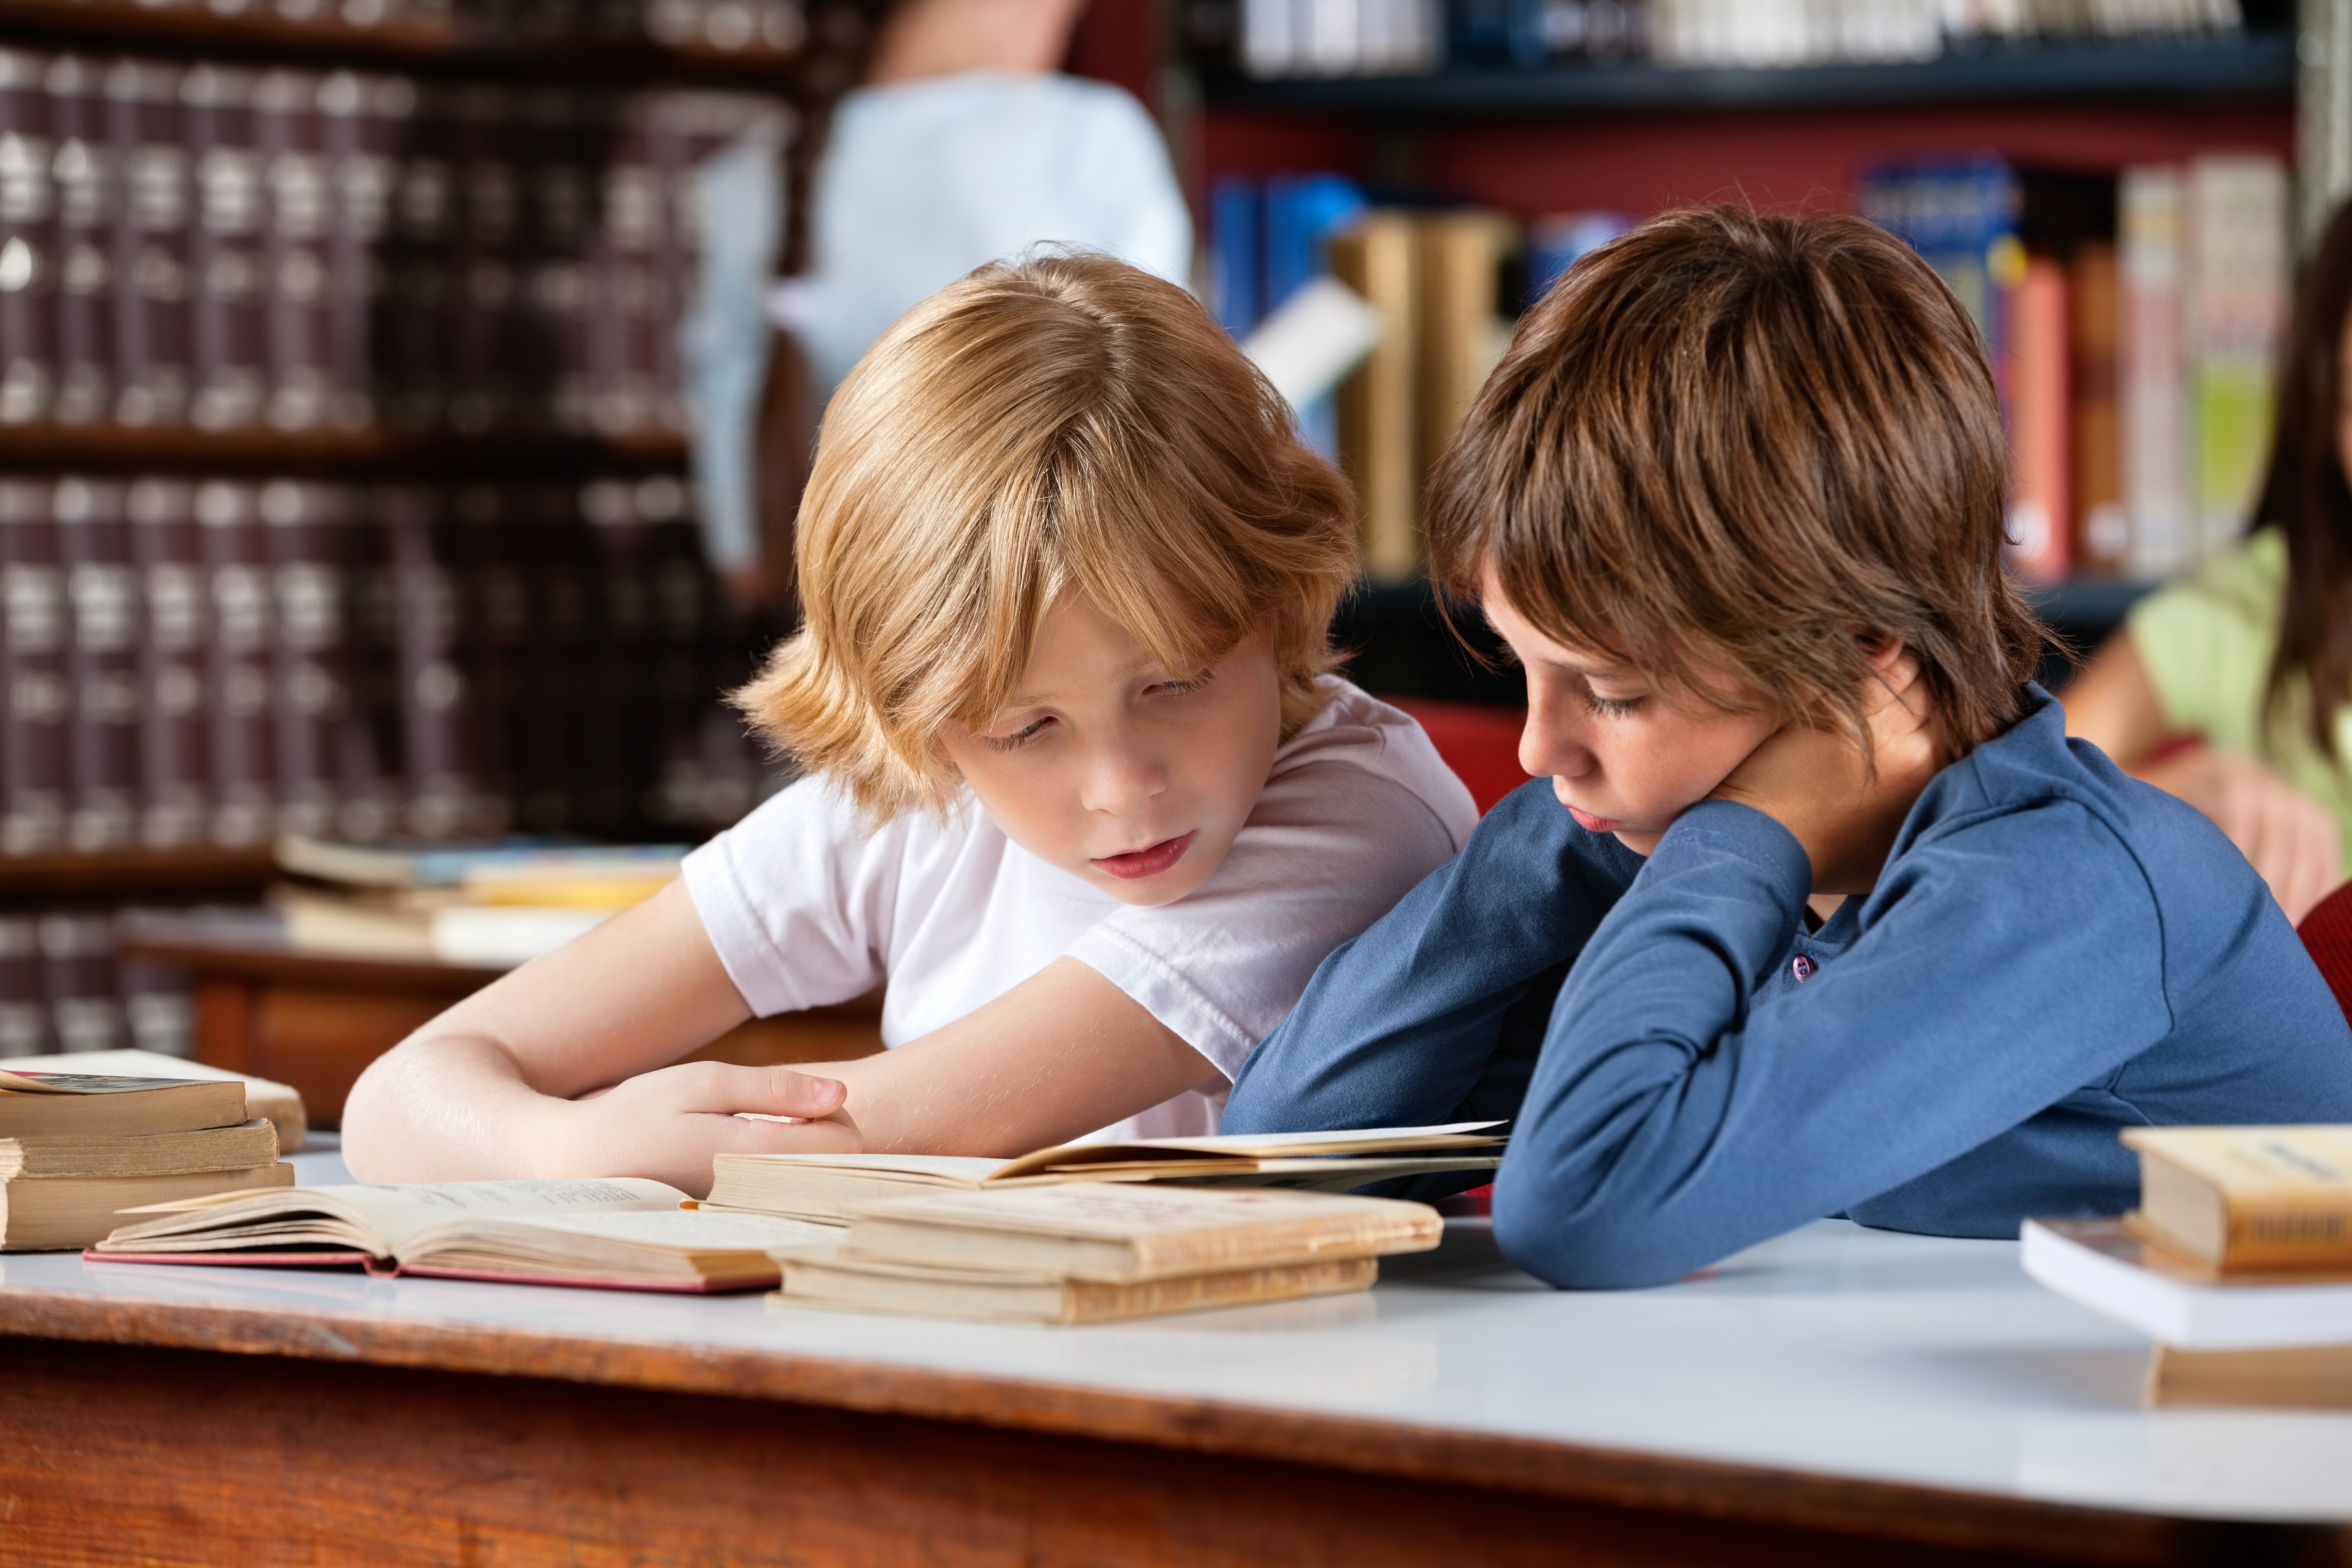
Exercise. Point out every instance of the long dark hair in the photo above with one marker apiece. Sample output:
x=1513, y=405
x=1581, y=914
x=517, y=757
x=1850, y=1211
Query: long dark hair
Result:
x=2304, y=493
x=835, y=50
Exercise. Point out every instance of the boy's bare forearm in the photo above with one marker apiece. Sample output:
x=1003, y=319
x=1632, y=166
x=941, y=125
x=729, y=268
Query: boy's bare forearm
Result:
x=450, y=1107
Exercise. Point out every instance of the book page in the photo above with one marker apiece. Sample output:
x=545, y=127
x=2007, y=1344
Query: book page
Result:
x=973, y=1168
x=1259, y=1145
x=692, y=1230
x=382, y=1219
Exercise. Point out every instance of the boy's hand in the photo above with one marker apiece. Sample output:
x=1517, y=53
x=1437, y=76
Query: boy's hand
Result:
x=1815, y=782
x=668, y=1123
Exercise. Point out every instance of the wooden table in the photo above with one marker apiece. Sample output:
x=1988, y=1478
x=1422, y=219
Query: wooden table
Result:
x=316, y=1020
x=1835, y=1397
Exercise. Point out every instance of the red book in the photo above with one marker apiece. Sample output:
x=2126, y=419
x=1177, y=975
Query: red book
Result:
x=83, y=169
x=2040, y=509
x=305, y=525
x=102, y=598
x=174, y=773
x=34, y=694
x=361, y=121
x=228, y=281
x=239, y=659
x=28, y=264
x=435, y=695
x=153, y=207
x=296, y=257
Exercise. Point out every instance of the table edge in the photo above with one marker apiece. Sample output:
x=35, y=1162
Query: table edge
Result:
x=1717, y=1489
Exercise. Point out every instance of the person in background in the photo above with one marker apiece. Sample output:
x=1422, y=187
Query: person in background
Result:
x=926, y=137
x=2254, y=654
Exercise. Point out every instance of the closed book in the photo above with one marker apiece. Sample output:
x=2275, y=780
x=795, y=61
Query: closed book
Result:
x=434, y=692
x=2112, y=1267
x=279, y=1104
x=85, y=177
x=2152, y=363
x=2102, y=529
x=482, y=871
x=485, y=236
x=829, y=1186
x=619, y=1233
x=832, y=1277
x=297, y=281
x=421, y=287
x=498, y=938
x=2249, y=1198
x=363, y=119
x=626, y=313
x=24, y=1006
x=34, y=695
x=175, y=751
x=153, y=212
x=371, y=766
x=35, y=1103
x=2239, y=265
x=306, y=525
x=1379, y=445
x=247, y=1144
x=51, y=1212
x=2304, y=1377
x=28, y=258
x=78, y=975
x=1463, y=329
x=103, y=675
x=2041, y=511
x=227, y=256
x=239, y=710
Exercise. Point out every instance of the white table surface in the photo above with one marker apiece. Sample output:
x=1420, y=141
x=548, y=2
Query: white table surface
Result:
x=1832, y=1350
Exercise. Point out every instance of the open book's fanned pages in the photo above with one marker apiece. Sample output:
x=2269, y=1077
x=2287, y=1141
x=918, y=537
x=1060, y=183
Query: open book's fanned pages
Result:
x=1120, y=1234
x=621, y=1233
x=827, y=1187
x=832, y=1277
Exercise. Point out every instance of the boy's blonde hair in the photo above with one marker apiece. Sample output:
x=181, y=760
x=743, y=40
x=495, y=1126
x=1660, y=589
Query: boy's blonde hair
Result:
x=1065, y=424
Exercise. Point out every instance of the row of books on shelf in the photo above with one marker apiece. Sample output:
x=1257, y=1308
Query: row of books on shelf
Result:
x=66, y=985
x=205, y=246
x=772, y=28
x=2134, y=323
x=1285, y=38
x=184, y=664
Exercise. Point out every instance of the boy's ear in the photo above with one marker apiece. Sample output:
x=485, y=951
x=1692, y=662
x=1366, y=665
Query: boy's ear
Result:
x=1882, y=650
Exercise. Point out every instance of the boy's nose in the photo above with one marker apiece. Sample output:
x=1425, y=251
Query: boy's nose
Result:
x=1550, y=746
x=1121, y=780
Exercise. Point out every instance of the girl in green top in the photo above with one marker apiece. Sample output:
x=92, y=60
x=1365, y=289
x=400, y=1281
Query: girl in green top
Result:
x=2254, y=654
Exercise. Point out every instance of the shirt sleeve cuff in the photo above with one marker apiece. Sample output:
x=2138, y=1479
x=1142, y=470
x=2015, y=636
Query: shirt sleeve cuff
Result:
x=1751, y=834
x=732, y=923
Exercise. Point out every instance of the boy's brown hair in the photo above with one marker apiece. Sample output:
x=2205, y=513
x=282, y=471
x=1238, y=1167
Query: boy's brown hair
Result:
x=1065, y=424
x=1755, y=444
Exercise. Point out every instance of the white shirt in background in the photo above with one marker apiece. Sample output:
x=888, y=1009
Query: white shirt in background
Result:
x=806, y=908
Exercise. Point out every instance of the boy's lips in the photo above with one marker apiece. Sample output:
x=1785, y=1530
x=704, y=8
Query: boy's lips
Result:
x=1148, y=861
x=1592, y=824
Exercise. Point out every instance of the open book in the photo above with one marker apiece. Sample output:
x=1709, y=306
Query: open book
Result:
x=826, y=1187
x=616, y=1233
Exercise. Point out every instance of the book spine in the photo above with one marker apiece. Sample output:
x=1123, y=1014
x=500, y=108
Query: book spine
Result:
x=433, y=688
x=84, y=171
x=152, y=202
x=671, y=268
x=614, y=777
x=2102, y=539
x=685, y=602
x=24, y=1002
x=236, y=574
x=78, y=964
x=467, y=542
x=28, y=267
x=33, y=763
x=554, y=758
x=1378, y=447
x=175, y=793
x=227, y=262
x=304, y=523
x=419, y=286
x=159, y=1006
x=1462, y=334
x=2237, y=290
x=2154, y=369
x=370, y=756
x=102, y=594
x=482, y=393
x=360, y=125
x=623, y=288
x=2039, y=506
x=297, y=260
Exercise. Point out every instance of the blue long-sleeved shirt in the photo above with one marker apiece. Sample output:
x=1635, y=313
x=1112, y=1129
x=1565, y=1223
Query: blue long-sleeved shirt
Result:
x=2054, y=952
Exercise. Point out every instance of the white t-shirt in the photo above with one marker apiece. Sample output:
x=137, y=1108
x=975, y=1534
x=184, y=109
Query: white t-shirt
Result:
x=806, y=908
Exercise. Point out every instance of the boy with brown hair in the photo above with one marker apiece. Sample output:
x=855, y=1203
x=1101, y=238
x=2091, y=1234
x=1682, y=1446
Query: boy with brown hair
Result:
x=1821, y=911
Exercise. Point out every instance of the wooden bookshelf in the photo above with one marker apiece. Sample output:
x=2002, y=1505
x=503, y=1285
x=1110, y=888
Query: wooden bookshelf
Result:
x=2251, y=65
x=453, y=46
x=176, y=874
x=184, y=449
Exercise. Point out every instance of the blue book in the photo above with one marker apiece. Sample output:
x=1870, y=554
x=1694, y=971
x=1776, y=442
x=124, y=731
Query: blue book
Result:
x=1302, y=213
x=1962, y=216
x=1233, y=212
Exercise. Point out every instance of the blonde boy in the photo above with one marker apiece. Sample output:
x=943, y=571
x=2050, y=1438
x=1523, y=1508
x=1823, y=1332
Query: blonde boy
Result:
x=1081, y=792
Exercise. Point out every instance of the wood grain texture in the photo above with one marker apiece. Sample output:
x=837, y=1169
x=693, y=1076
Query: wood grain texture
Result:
x=780, y=1391
x=152, y=1457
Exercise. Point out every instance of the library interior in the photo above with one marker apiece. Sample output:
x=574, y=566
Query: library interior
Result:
x=435, y=437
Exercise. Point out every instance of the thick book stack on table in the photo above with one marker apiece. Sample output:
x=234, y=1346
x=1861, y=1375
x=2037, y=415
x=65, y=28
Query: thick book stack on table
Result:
x=1102, y=1251
x=75, y=1149
x=2238, y=1263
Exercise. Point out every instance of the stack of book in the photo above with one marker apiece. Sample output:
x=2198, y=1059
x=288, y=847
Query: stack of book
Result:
x=76, y=1148
x=494, y=906
x=2238, y=1263
x=1102, y=1251
x=1092, y=1231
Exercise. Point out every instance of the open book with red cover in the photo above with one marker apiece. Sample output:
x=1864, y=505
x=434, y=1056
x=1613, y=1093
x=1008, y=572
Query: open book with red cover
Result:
x=621, y=1233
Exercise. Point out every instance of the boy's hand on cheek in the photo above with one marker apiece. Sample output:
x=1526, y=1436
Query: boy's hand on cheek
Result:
x=668, y=1124
x=1815, y=783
